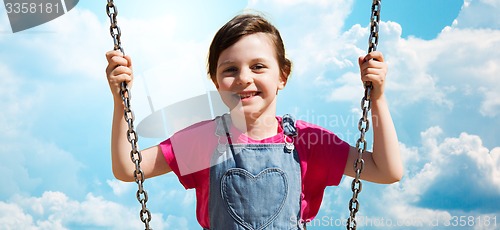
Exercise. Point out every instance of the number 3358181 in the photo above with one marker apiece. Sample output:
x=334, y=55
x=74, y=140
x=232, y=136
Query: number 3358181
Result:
x=32, y=8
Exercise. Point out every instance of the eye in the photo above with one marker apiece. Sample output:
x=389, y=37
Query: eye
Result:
x=258, y=67
x=231, y=69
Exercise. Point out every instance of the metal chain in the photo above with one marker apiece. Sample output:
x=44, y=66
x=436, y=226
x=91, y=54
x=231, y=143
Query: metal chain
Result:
x=364, y=123
x=135, y=154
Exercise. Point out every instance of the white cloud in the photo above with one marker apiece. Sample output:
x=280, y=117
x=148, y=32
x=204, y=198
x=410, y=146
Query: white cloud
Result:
x=55, y=210
x=15, y=104
x=444, y=178
x=465, y=59
x=479, y=14
x=490, y=106
x=444, y=170
x=346, y=88
x=460, y=59
x=26, y=161
x=72, y=45
x=19, y=96
x=25, y=157
x=119, y=187
x=13, y=217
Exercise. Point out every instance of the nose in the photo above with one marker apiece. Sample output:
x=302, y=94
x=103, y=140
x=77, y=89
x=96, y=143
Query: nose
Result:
x=244, y=77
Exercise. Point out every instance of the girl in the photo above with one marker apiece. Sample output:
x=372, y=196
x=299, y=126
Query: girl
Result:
x=252, y=169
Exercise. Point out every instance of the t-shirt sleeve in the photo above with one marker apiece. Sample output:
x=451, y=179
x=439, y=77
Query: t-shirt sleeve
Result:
x=323, y=158
x=188, y=180
x=337, y=156
x=189, y=152
x=326, y=153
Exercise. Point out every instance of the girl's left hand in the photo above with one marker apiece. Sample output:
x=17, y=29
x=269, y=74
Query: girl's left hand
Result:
x=374, y=69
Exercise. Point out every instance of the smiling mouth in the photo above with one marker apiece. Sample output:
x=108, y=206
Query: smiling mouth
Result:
x=247, y=95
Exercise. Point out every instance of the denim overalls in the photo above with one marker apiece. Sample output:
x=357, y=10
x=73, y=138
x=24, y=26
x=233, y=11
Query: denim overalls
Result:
x=255, y=186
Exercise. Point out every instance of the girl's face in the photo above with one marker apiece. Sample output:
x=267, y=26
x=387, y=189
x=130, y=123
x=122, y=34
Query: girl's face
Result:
x=249, y=76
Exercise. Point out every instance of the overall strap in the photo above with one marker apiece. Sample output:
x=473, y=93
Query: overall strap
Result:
x=288, y=124
x=228, y=134
x=289, y=132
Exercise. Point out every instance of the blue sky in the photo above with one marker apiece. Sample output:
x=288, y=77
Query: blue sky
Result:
x=444, y=96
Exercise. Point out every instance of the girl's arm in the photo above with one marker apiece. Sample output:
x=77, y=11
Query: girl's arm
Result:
x=384, y=164
x=153, y=163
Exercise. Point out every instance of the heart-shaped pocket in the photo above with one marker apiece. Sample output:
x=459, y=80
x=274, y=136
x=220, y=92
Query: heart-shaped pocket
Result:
x=254, y=201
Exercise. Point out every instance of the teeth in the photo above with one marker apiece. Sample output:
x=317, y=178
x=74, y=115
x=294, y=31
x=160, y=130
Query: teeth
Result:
x=246, y=95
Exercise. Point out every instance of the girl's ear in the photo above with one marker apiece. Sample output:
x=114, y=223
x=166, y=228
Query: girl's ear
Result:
x=283, y=79
x=282, y=82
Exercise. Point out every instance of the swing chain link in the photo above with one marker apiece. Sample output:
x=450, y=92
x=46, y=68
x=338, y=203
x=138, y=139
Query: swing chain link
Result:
x=364, y=123
x=135, y=154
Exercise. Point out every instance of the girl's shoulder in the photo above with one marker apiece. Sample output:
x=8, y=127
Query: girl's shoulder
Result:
x=299, y=124
x=199, y=129
x=306, y=127
x=190, y=150
x=312, y=136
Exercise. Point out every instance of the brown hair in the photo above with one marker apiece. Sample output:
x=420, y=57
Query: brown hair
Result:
x=238, y=27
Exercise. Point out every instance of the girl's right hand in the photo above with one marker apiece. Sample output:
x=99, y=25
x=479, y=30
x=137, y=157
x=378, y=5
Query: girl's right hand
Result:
x=119, y=70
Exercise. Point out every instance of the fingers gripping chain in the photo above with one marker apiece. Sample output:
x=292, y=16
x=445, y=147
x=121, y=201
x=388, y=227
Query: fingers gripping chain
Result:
x=135, y=154
x=364, y=123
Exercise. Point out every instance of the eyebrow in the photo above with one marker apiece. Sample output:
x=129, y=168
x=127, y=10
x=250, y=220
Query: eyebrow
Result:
x=229, y=62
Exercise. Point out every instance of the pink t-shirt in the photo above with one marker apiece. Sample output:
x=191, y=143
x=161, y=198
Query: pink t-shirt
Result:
x=322, y=155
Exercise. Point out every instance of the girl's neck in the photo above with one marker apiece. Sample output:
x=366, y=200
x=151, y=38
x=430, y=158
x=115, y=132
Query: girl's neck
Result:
x=256, y=127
